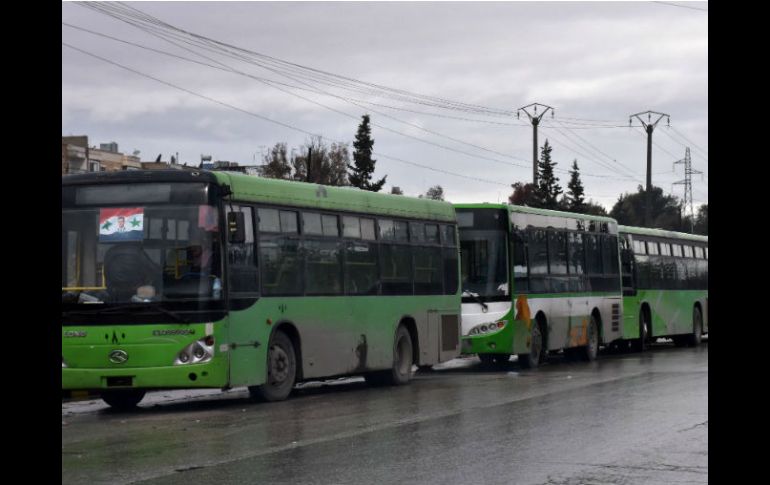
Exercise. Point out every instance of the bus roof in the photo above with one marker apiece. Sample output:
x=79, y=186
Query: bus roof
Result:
x=643, y=231
x=249, y=188
x=283, y=192
x=532, y=210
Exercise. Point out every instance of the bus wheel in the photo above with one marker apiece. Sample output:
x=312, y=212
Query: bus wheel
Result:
x=589, y=351
x=401, y=371
x=123, y=399
x=281, y=370
x=494, y=360
x=535, y=355
x=697, y=328
x=642, y=343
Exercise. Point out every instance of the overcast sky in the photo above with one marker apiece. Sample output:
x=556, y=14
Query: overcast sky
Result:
x=596, y=63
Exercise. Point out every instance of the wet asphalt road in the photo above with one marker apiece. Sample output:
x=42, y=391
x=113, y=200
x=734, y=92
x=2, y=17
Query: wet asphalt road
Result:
x=626, y=419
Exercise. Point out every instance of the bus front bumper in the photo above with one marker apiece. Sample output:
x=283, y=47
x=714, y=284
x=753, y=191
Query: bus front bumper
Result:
x=512, y=339
x=209, y=375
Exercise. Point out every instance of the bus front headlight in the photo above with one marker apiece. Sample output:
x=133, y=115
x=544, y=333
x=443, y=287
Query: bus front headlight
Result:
x=198, y=352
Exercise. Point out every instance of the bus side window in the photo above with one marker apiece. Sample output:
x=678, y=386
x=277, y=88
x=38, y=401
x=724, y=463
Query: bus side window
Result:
x=244, y=276
x=520, y=266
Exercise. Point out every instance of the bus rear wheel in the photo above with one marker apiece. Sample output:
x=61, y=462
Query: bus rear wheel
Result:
x=642, y=343
x=123, y=399
x=281, y=370
x=694, y=339
x=535, y=355
x=589, y=351
x=401, y=371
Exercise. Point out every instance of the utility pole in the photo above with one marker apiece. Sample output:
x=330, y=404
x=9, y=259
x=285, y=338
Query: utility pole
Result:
x=309, y=158
x=687, y=182
x=649, y=126
x=534, y=118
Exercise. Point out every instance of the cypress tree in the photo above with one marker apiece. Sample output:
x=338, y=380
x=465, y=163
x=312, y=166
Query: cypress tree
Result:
x=361, y=171
x=575, y=193
x=548, y=188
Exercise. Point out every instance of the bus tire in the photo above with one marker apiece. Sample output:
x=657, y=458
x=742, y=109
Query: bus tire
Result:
x=694, y=339
x=281, y=370
x=589, y=351
x=401, y=371
x=535, y=355
x=123, y=399
x=642, y=343
x=494, y=360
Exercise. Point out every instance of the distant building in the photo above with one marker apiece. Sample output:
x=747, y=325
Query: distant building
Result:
x=109, y=147
x=78, y=157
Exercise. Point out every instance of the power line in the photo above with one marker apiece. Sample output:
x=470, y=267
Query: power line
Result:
x=672, y=4
x=611, y=160
x=286, y=125
x=133, y=16
x=229, y=68
x=569, y=144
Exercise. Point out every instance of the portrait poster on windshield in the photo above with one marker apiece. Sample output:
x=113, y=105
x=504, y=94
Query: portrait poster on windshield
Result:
x=121, y=224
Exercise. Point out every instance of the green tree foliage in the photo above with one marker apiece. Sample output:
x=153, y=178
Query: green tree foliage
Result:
x=593, y=209
x=276, y=163
x=327, y=165
x=396, y=190
x=701, y=223
x=548, y=189
x=666, y=213
x=436, y=193
x=523, y=194
x=574, y=199
x=363, y=164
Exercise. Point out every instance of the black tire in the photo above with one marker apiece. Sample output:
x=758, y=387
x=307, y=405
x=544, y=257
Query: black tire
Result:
x=679, y=340
x=123, y=399
x=281, y=370
x=536, y=355
x=589, y=351
x=645, y=329
x=695, y=338
x=495, y=360
x=401, y=371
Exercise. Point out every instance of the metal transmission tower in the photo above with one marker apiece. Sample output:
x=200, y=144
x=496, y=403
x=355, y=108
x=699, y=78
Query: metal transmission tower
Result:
x=534, y=118
x=649, y=126
x=687, y=182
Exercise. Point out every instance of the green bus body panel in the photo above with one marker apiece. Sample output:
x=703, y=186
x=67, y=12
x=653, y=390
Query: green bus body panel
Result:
x=564, y=330
x=643, y=231
x=532, y=210
x=314, y=196
x=337, y=335
x=671, y=311
x=150, y=358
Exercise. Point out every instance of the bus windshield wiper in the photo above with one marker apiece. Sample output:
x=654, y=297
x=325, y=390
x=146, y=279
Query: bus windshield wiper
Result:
x=153, y=308
x=476, y=297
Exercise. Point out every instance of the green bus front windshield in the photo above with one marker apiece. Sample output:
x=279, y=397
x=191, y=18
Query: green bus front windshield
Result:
x=484, y=263
x=140, y=254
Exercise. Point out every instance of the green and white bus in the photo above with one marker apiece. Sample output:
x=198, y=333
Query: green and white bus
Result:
x=665, y=286
x=196, y=279
x=535, y=281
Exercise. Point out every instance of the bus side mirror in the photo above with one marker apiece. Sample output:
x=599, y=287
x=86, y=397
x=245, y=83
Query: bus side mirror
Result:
x=236, y=227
